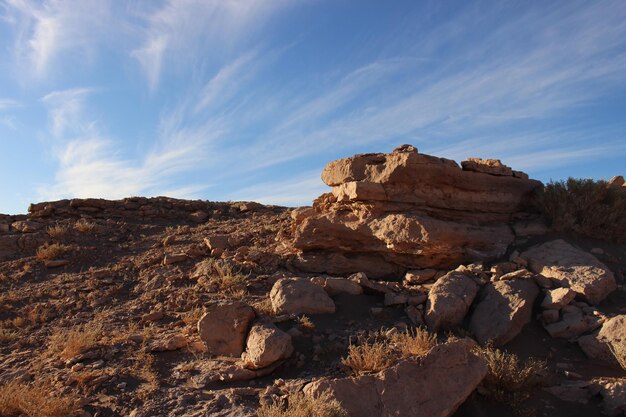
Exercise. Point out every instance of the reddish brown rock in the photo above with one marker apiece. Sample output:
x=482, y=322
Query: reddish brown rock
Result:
x=391, y=212
x=224, y=326
x=611, y=335
x=505, y=307
x=572, y=268
x=435, y=386
x=300, y=296
x=266, y=344
x=449, y=300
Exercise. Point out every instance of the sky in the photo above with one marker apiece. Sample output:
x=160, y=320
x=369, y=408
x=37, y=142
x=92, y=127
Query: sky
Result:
x=249, y=99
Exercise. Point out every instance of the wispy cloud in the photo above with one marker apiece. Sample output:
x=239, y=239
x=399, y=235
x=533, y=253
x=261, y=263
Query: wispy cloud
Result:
x=92, y=165
x=8, y=104
x=47, y=29
x=217, y=25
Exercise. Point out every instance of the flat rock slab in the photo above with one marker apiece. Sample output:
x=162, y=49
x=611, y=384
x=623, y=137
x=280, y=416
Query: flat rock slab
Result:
x=504, y=309
x=449, y=300
x=434, y=387
x=300, y=296
x=224, y=326
x=572, y=268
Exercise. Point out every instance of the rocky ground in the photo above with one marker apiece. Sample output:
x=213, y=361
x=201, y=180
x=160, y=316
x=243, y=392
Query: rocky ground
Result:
x=162, y=307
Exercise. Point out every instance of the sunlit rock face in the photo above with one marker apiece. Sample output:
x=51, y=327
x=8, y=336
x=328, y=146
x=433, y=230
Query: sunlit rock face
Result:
x=391, y=212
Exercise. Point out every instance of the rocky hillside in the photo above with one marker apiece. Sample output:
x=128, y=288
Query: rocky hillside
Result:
x=418, y=287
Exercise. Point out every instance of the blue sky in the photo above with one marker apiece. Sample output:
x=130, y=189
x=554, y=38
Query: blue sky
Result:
x=249, y=99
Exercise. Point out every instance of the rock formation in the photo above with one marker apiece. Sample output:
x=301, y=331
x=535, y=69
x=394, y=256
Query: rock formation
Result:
x=388, y=213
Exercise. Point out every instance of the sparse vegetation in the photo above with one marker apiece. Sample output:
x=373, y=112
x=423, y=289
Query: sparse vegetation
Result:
x=68, y=343
x=509, y=379
x=85, y=226
x=192, y=316
x=368, y=357
x=619, y=352
x=18, y=399
x=305, y=323
x=587, y=207
x=414, y=343
x=57, y=231
x=301, y=405
x=227, y=277
x=6, y=335
x=48, y=252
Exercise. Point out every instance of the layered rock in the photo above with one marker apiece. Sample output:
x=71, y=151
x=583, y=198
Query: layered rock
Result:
x=392, y=212
x=436, y=386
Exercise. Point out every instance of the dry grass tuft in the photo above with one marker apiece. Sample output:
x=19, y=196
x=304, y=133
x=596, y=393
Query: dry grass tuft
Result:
x=49, y=252
x=305, y=323
x=301, y=405
x=368, y=357
x=57, y=231
x=68, y=343
x=18, y=399
x=6, y=335
x=414, y=343
x=619, y=351
x=192, y=316
x=85, y=226
x=510, y=380
x=587, y=207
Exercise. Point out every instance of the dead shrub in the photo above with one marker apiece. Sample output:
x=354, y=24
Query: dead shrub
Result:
x=414, y=343
x=85, y=226
x=50, y=252
x=192, y=316
x=68, y=343
x=228, y=278
x=587, y=207
x=510, y=380
x=305, y=323
x=301, y=405
x=17, y=399
x=57, y=231
x=368, y=357
x=6, y=335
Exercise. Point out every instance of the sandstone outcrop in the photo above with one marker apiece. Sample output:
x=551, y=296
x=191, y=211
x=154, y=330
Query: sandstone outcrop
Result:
x=572, y=268
x=504, y=309
x=389, y=213
x=434, y=387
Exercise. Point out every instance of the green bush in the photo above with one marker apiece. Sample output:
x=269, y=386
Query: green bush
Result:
x=586, y=207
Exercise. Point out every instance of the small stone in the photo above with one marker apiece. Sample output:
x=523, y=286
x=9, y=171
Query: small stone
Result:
x=174, y=258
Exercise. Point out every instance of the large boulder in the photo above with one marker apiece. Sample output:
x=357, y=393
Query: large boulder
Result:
x=389, y=213
x=433, y=387
x=449, y=300
x=504, y=309
x=224, y=326
x=612, y=335
x=572, y=268
x=266, y=344
x=300, y=296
